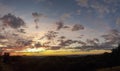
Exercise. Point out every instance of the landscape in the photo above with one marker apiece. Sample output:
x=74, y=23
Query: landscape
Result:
x=59, y=35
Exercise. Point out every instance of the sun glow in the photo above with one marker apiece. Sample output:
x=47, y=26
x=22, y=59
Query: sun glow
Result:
x=45, y=52
x=33, y=50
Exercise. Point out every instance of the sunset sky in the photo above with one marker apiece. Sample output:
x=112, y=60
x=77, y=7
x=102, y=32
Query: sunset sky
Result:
x=75, y=25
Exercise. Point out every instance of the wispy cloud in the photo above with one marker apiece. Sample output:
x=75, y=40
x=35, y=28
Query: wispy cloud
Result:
x=118, y=21
x=36, y=17
x=78, y=12
x=83, y=3
x=4, y=9
x=101, y=9
x=65, y=16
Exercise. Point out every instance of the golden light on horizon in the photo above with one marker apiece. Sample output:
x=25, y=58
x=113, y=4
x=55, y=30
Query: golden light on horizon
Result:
x=44, y=52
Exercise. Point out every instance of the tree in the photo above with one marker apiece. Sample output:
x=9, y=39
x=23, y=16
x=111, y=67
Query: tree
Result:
x=116, y=51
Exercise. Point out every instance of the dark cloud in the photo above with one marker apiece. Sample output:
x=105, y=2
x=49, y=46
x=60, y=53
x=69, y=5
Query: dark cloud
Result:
x=77, y=27
x=21, y=30
x=46, y=43
x=12, y=21
x=60, y=25
x=23, y=42
x=113, y=37
x=96, y=39
x=66, y=42
x=14, y=34
x=95, y=46
x=81, y=42
x=61, y=40
x=37, y=45
x=80, y=36
x=66, y=27
x=69, y=42
x=36, y=17
x=91, y=42
x=55, y=47
x=100, y=47
x=62, y=37
x=2, y=37
x=51, y=35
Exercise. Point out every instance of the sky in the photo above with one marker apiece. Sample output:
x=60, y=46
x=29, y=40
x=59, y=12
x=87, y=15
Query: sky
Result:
x=60, y=24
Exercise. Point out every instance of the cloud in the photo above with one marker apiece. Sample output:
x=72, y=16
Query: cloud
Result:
x=66, y=26
x=66, y=42
x=96, y=39
x=118, y=21
x=36, y=17
x=62, y=37
x=60, y=25
x=91, y=42
x=4, y=9
x=40, y=0
x=108, y=1
x=77, y=27
x=2, y=37
x=95, y=43
x=80, y=36
x=65, y=16
x=101, y=9
x=21, y=30
x=46, y=43
x=99, y=47
x=55, y=47
x=113, y=37
x=111, y=1
x=12, y=21
x=14, y=34
x=50, y=35
x=78, y=12
x=83, y=3
x=23, y=42
x=81, y=42
x=37, y=45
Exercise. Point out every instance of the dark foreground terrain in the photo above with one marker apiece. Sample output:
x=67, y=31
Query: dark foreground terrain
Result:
x=60, y=63
x=103, y=62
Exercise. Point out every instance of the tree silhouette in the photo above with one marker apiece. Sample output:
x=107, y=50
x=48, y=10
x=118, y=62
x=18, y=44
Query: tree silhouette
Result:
x=115, y=56
x=116, y=51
